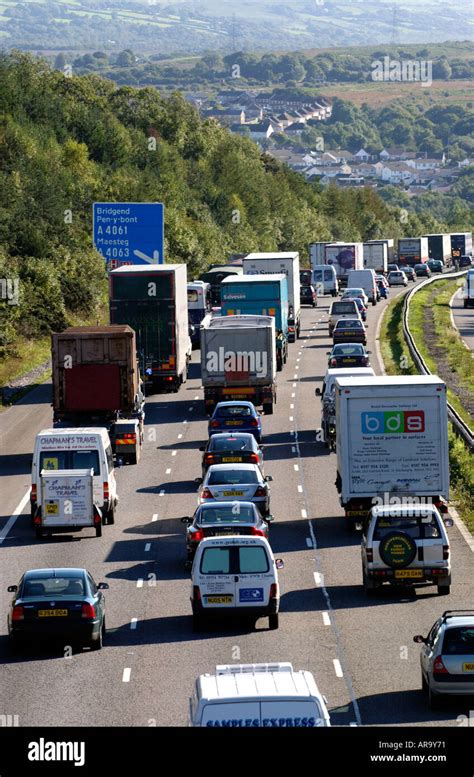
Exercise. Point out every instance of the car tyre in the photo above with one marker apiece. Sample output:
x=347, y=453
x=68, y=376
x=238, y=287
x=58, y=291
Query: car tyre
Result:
x=98, y=530
x=368, y=590
x=197, y=623
x=434, y=701
x=96, y=644
x=444, y=590
x=424, y=684
x=273, y=621
x=39, y=534
x=110, y=516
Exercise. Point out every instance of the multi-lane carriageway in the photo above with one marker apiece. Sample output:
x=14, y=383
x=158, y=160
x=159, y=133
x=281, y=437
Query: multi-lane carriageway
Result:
x=360, y=651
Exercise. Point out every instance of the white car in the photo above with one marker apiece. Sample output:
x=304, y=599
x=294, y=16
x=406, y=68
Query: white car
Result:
x=236, y=483
x=356, y=291
x=235, y=576
x=397, y=278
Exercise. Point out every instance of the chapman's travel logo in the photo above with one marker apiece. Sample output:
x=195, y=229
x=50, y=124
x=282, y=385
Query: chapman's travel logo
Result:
x=393, y=422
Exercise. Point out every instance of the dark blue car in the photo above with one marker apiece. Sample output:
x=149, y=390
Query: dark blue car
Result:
x=236, y=417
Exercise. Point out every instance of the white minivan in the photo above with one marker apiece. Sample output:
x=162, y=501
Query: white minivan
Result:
x=84, y=448
x=364, y=279
x=325, y=280
x=235, y=576
x=258, y=695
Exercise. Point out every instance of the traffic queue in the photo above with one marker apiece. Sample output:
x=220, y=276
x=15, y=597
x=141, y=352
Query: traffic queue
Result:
x=377, y=426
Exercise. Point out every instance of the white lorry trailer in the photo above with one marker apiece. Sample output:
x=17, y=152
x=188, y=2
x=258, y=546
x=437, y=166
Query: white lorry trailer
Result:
x=288, y=264
x=344, y=257
x=391, y=442
x=376, y=256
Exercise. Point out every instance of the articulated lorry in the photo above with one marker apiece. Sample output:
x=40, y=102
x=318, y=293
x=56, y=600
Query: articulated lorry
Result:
x=461, y=245
x=260, y=295
x=96, y=381
x=391, y=442
x=289, y=265
x=238, y=360
x=439, y=247
x=412, y=250
x=344, y=257
x=153, y=299
x=377, y=255
x=215, y=275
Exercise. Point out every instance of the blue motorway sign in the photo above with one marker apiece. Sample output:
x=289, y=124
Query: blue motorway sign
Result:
x=129, y=232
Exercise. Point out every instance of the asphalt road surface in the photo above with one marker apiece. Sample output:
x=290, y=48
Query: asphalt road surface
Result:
x=464, y=319
x=360, y=651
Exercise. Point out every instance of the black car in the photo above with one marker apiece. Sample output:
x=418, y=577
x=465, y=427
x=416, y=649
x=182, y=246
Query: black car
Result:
x=409, y=272
x=308, y=296
x=231, y=448
x=435, y=265
x=422, y=270
x=349, y=330
x=349, y=355
x=58, y=603
x=465, y=261
x=223, y=519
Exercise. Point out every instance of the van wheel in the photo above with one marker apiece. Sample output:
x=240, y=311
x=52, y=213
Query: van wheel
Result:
x=197, y=623
x=133, y=458
x=369, y=588
x=273, y=621
x=98, y=530
x=110, y=517
x=39, y=534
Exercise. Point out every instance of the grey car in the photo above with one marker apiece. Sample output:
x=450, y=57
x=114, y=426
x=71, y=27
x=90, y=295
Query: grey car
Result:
x=236, y=482
x=447, y=657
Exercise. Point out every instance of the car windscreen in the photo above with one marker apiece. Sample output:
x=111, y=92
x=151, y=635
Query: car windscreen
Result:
x=82, y=459
x=339, y=308
x=233, y=410
x=53, y=587
x=459, y=641
x=230, y=444
x=354, y=292
x=230, y=514
x=417, y=528
x=348, y=323
x=232, y=477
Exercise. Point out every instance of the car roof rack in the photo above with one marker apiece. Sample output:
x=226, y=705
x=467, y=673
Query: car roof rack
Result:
x=453, y=613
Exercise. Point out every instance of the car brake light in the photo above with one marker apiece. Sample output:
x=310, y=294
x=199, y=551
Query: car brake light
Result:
x=445, y=552
x=37, y=520
x=439, y=667
x=215, y=424
x=196, y=593
x=34, y=493
x=260, y=491
x=88, y=611
x=254, y=422
x=18, y=613
x=197, y=536
x=253, y=458
x=106, y=491
x=333, y=362
x=370, y=554
x=131, y=437
x=209, y=457
x=257, y=532
x=206, y=494
x=274, y=591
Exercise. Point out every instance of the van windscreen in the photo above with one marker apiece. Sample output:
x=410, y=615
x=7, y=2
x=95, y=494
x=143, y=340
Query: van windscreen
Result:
x=86, y=459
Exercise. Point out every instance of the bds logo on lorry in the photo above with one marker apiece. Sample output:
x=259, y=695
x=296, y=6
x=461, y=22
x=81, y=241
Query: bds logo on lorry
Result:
x=393, y=422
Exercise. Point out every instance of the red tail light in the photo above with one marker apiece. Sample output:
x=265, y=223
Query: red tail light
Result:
x=254, y=422
x=209, y=458
x=215, y=424
x=206, y=494
x=18, y=613
x=260, y=491
x=196, y=593
x=257, y=532
x=106, y=491
x=37, y=520
x=370, y=554
x=130, y=437
x=197, y=536
x=88, y=611
x=34, y=493
x=253, y=458
x=333, y=362
x=274, y=591
x=439, y=667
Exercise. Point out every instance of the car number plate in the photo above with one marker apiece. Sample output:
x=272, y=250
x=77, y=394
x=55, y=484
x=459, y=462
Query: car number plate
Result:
x=233, y=493
x=219, y=599
x=52, y=508
x=468, y=667
x=52, y=613
x=231, y=458
x=234, y=423
x=403, y=573
x=222, y=533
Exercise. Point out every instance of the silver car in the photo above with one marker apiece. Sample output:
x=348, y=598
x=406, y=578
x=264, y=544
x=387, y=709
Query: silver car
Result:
x=236, y=482
x=447, y=657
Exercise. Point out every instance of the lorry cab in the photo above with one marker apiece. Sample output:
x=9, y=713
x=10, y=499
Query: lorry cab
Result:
x=199, y=306
x=76, y=449
x=258, y=695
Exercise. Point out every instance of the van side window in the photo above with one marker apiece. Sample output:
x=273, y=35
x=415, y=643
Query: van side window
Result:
x=110, y=458
x=253, y=560
x=215, y=561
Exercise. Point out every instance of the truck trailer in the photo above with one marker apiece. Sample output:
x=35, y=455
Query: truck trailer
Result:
x=238, y=360
x=288, y=264
x=439, y=247
x=412, y=250
x=461, y=245
x=376, y=256
x=344, y=257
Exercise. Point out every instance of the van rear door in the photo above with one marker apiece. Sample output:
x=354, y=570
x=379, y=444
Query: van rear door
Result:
x=254, y=576
x=215, y=580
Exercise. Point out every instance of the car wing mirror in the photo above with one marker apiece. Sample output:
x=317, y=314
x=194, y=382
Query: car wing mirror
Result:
x=269, y=518
x=198, y=481
x=318, y=392
x=202, y=448
x=262, y=447
x=419, y=639
x=12, y=588
x=186, y=519
x=268, y=478
x=448, y=522
x=279, y=563
x=103, y=586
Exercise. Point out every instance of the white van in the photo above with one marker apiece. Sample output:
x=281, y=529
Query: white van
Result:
x=258, y=695
x=235, y=576
x=364, y=279
x=85, y=448
x=325, y=279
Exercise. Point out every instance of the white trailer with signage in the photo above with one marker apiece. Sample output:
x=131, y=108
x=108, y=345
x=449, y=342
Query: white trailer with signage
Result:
x=391, y=442
x=344, y=257
x=289, y=265
x=67, y=502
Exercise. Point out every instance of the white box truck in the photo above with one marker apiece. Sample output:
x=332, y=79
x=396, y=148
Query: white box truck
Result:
x=344, y=257
x=238, y=360
x=288, y=264
x=316, y=253
x=376, y=255
x=67, y=502
x=391, y=442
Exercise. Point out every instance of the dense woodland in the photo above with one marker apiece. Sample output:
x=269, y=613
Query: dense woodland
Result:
x=68, y=141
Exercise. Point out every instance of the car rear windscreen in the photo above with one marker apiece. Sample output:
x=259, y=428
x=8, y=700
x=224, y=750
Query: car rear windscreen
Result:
x=339, y=308
x=459, y=641
x=233, y=477
x=230, y=444
x=229, y=412
x=53, y=587
x=233, y=514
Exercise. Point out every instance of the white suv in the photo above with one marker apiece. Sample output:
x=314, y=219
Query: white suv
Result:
x=405, y=545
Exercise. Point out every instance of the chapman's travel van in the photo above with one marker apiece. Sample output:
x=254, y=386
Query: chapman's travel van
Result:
x=325, y=280
x=364, y=279
x=258, y=695
x=84, y=448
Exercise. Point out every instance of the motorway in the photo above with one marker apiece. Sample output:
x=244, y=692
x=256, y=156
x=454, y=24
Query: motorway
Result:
x=463, y=319
x=360, y=651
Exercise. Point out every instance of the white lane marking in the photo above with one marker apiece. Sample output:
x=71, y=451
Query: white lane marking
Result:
x=16, y=512
x=297, y=367
x=292, y=407
x=338, y=667
x=296, y=467
x=292, y=431
x=155, y=517
x=168, y=471
x=133, y=623
x=291, y=417
x=173, y=453
x=309, y=542
x=299, y=352
x=162, y=492
x=294, y=384
x=326, y=619
x=298, y=359
x=185, y=421
x=126, y=675
x=317, y=579
x=197, y=397
x=304, y=514
x=295, y=377
x=300, y=489
x=147, y=547
x=293, y=395
x=140, y=582
x=179, y=436
x=353, y=725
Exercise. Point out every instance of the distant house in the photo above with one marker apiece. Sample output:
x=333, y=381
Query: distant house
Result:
x=424, y=164
x=226, y=116
x=465, y=163
x=361, y=156
x=261, y=131
x=296, y=129
x=367, y=170
x=397, y=173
